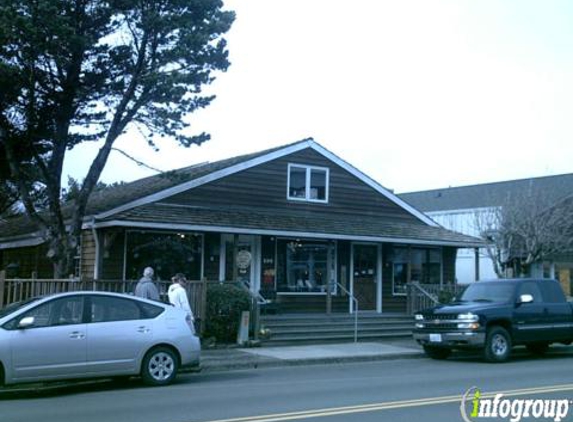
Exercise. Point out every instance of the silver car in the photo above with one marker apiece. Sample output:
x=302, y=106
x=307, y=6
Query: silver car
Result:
x=94, y=334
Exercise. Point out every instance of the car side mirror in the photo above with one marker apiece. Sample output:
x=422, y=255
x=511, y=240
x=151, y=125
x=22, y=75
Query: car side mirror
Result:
x=26, y=322
x=525, y=299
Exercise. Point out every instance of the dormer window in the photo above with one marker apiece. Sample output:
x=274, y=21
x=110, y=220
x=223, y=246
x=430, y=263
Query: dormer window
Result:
x=307, y=183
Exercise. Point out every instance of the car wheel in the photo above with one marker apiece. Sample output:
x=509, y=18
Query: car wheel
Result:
x=537, y=348
x=159, y=366
x=438, y=353
x=497, y=345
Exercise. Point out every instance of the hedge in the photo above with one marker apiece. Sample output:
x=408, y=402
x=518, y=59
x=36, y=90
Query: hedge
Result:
x=225, y=303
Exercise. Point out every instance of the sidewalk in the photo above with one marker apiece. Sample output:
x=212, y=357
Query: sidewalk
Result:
x=247, y=358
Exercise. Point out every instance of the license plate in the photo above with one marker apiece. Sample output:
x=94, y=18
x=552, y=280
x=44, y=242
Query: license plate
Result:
x=436, y=338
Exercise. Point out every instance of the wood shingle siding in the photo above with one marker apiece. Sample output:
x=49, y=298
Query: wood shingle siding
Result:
x=88, y=255
x=265, y=186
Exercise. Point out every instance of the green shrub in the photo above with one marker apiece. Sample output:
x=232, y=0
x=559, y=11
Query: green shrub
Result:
x=225, y=303
x=445, y=296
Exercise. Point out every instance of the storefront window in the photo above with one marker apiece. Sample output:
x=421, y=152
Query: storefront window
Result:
x=400, y=273
x=302, y=266
x=425, y=266
x=166, y=253
x=433, y=267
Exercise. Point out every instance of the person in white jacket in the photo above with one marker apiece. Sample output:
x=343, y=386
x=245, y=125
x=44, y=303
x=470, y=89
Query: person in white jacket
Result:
x=178, y=295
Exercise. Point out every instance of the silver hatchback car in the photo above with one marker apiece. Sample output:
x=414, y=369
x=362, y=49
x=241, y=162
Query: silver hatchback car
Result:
x=94, y=334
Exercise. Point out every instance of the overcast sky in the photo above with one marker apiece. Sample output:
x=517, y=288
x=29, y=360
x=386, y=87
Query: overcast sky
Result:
x=418, y=94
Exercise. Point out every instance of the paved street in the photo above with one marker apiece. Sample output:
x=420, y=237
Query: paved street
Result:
x=416, y=389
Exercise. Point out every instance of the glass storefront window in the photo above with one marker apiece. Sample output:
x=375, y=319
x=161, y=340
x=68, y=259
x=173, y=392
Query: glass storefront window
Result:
x=303, y=266
x=424, y=264
x=166, y=253
x=432, y=268
x=400, y=271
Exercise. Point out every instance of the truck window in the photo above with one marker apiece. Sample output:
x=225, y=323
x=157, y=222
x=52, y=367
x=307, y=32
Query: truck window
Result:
x=531, y=288
x=552, y=291
x=498, y=292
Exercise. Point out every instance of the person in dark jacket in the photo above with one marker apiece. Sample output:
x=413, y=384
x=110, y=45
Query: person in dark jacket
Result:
x=145, y=287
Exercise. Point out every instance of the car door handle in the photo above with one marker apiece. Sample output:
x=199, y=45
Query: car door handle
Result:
x=77, y=335
x=143, y=329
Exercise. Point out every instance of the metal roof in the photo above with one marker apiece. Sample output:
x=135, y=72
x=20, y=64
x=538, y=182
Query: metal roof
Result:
x=554, y=188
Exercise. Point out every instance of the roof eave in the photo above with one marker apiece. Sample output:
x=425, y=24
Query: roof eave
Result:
x=33, y=239
x=275, y=232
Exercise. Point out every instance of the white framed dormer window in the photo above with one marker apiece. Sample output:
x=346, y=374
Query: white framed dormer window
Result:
x=307, y=183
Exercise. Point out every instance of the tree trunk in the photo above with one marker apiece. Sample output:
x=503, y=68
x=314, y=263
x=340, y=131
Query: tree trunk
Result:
x=62, y=252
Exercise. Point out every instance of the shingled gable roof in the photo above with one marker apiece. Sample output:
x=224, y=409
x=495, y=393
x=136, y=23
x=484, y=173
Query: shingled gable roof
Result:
x=281, y=223
x=122, y=204
x=554, y=188
x=155, y=188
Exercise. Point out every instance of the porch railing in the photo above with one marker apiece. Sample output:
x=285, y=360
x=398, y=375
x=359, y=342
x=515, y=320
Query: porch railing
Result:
x=354, y=307
x=18, y=289
x=421, y=296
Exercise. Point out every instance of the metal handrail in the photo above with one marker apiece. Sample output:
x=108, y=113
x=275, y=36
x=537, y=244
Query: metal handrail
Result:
x=355, y=310
x=429, y=295
x=261, y=300
x=416, y=295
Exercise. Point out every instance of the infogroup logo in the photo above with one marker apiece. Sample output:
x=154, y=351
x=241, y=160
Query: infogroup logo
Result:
x=476, y=406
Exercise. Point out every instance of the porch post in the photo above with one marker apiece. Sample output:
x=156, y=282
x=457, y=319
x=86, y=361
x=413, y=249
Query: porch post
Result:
x=476, y=260
x=2, y=284
x=222, y=257
x=97, y=254
x=235, y=251
x=409, y=267
x=350, y=302
x=331, y=269
x=379, y=277
x=329, y=297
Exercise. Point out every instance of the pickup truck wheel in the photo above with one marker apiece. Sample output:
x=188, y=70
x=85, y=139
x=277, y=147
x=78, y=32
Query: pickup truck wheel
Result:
x=537, y=348
x=497, y=345
x=438, y=353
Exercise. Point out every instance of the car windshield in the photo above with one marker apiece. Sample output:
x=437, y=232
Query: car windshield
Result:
x=13, y=307
x=488, y=292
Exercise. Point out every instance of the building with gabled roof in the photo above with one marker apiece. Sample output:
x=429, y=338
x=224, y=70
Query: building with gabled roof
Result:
x=290, y=222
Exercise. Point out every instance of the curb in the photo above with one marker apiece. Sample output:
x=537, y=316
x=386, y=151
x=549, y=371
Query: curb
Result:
x=266, y=362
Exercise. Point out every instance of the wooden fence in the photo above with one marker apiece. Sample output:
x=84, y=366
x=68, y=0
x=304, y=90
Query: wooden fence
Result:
x=18, y=289
x=422, y=296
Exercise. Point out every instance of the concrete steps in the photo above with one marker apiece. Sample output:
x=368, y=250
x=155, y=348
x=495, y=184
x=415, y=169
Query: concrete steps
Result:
x=312, y=328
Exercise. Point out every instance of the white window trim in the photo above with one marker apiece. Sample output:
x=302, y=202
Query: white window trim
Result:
x=308, y=169
x=329, y=245
x=409, y=263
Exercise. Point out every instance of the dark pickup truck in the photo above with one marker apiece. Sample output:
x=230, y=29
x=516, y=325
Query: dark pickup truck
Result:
x=496, y=315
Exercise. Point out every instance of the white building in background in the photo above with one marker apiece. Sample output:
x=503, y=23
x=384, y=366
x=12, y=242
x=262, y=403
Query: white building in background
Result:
x=464, y=221
x=457, y=209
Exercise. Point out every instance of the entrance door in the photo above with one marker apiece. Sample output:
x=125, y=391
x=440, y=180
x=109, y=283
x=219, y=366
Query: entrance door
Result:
x=241, y=260
x=365, y=275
